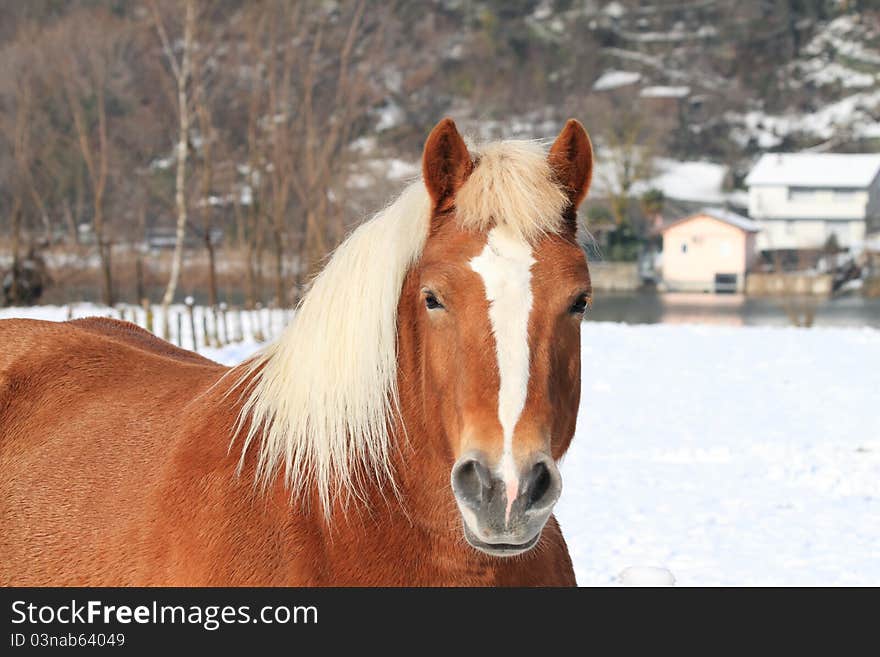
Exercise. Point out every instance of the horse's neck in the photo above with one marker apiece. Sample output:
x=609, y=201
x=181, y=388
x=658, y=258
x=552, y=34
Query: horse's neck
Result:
x=409, y=536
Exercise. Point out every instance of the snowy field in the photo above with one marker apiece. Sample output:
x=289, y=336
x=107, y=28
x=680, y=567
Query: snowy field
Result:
x=728, y=455
x=745, y=456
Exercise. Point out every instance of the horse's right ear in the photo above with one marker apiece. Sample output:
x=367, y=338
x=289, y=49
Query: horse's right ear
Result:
x=446, y=163
x=571, y=157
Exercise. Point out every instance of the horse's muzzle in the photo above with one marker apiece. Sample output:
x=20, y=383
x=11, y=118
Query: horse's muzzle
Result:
x=493, y=522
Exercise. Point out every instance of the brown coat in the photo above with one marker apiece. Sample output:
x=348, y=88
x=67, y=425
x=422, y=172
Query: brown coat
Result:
x=115, y=469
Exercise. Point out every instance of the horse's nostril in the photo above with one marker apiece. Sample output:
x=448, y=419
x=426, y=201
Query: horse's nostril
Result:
x=539, y=483
x=469, y=480
x=543, y=485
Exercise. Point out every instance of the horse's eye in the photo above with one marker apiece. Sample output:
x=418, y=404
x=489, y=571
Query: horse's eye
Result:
x=579, y=307
x=431, y=301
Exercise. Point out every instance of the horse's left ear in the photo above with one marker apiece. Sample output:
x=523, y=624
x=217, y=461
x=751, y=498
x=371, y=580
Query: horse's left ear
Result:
x=571, y=158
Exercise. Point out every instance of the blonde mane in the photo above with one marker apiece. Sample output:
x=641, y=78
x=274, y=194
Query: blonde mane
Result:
x=321, y=400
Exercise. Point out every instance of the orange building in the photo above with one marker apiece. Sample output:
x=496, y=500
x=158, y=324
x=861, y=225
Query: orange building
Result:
x=710, y=251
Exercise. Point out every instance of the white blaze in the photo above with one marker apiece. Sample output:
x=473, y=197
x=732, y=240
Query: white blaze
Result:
x=505, y=266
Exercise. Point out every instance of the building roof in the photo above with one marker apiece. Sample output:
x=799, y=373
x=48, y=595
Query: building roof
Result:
x=615, y=79
x=815, y=169
x=665, y=92
x=722, y=215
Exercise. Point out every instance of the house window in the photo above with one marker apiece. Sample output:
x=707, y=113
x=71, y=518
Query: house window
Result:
x=844, y=194
x=684, y=247
x=802, y=193
x=789, y=228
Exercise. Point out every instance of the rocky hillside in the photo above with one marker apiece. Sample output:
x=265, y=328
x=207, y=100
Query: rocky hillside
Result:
x=738, y=77
x=706, y=80
x=680, y=95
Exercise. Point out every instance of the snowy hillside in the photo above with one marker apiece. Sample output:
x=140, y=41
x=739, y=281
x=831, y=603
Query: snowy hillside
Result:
x=725, y=455
x=749, y=72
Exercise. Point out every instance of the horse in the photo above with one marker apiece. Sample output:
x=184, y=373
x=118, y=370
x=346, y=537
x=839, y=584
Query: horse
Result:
x=404, y=430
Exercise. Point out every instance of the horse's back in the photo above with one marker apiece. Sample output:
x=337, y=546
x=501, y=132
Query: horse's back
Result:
x=32, y=339
x=45, y=366
x=134, y=336
x=89, y=410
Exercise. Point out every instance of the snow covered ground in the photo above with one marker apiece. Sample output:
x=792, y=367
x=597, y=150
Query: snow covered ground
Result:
x=725, y=455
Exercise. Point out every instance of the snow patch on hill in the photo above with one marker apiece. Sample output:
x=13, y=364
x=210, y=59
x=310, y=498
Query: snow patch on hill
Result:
x=614, y=79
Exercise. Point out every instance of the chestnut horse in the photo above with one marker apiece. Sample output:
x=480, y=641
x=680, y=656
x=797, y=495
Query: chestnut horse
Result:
x=440, y=345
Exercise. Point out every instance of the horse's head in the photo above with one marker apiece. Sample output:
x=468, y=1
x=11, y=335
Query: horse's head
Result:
x=500, y=294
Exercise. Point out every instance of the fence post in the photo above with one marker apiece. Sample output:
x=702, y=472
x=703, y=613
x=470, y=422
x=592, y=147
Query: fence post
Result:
x=215, y=340
x=225, y=339
x=190, y=302
x=257, y=323
x=139, y=275
x=268, y=319
x=238, y=334
x=148, y=314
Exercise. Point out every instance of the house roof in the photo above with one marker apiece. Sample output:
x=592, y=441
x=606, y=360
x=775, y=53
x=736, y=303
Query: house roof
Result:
x=815, y=169
x=665, y=92
x=614, y=79
x=722, y=215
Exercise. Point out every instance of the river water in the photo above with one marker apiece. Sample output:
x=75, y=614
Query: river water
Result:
x=851, y=310
x=645, y=307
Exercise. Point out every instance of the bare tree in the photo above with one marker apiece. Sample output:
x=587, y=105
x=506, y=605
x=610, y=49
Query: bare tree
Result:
x=206, y=184
x=334, y=97
x=85, y=79
x=284, y=91
x=16, y=130
x=314, y=91
x=180, y=70
x=279, y=126
x=254, y=180
x=628, y=140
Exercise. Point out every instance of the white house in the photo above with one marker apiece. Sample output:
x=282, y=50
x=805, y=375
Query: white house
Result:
x=801, y=199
